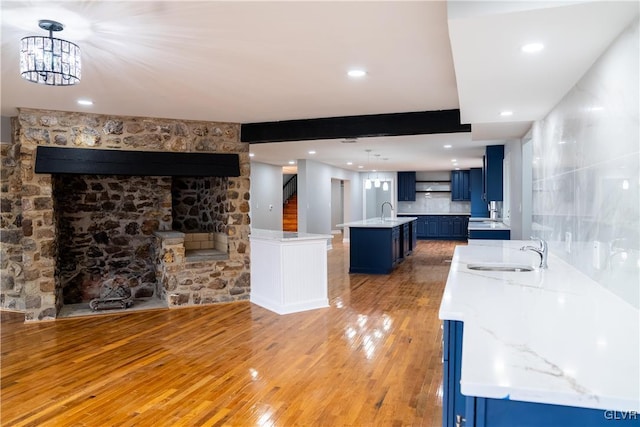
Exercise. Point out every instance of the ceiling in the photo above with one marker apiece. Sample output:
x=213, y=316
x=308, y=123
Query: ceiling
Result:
x=261, y=61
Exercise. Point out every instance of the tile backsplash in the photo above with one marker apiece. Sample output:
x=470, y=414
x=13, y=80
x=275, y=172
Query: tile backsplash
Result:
x=434, y=203
x=586, y=184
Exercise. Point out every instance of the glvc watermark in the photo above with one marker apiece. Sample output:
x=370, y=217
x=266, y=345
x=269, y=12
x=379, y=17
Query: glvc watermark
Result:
x=620, y=415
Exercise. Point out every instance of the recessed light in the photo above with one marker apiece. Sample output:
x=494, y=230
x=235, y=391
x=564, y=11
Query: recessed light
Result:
x=532, y=47
x=292, y=162
x=448, y=146
x=454, y=160
x=312, y=152
x=562, y=142
x=506, y=113
x=360, y=166
x=251, y=154
x=85, y=102
x=457, y=169
x=356, y=73
x=349, y=163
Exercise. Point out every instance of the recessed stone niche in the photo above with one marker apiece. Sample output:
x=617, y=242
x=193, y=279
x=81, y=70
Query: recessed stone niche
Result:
x=119, y=229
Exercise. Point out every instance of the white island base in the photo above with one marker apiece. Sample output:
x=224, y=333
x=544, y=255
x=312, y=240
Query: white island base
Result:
x=288, y=270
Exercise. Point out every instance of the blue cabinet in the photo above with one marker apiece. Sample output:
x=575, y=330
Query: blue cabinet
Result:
x=405, y=238
x=378, y=250
x=493, y=172
x=421, y=227
x=459, y=225
x=474, y=411
x=478, y=204
x=460, y=189
x=443, y=227
x=433, y=226
x=414, y=234
x=406, y=186
x=453, y=402
x=490, y=234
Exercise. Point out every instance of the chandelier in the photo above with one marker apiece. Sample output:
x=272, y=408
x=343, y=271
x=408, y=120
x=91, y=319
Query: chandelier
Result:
x=48, y=60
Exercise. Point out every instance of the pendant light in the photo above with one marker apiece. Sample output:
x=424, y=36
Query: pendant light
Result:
x=376, y=183
x=49, y=60
x=367, y=182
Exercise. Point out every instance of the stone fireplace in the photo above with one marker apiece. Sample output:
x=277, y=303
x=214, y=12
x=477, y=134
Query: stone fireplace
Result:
x=182, y=240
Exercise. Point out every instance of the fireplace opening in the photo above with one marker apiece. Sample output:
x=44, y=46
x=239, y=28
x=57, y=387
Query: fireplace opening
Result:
x=200, y=212
x=105, y=240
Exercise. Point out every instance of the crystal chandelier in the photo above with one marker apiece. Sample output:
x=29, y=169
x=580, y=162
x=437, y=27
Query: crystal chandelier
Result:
x=48, y=60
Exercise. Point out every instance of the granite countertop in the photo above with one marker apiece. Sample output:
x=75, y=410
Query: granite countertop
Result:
x=378, y=223
x=435, y=213
x=549, y=336
x=488, y=225
x=283, y=236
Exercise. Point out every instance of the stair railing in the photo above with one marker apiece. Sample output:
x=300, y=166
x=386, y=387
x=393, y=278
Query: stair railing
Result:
x=290, y=188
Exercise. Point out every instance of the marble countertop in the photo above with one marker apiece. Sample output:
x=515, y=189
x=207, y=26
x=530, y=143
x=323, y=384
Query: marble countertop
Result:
x=284, y=236
x=378, y=223
x=548, y=336
x=488, y=225
x=435, y=213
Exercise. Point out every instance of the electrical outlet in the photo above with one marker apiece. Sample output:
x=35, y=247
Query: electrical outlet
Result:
x=567, y=242
x=597, y=256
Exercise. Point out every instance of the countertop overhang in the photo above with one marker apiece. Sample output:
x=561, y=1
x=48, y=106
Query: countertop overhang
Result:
x=488, y=225
x=285, y=236
x=434, y=213
x=549, y=336
x=378, y=223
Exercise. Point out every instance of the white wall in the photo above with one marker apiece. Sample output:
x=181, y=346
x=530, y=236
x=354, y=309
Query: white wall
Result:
x=5, y=129
x=266, y=196
x=586, y=162
x=314, y=196
x=337, y=203
x=375, y=197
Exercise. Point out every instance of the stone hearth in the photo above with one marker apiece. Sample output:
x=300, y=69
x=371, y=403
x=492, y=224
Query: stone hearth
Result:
x=182, y=241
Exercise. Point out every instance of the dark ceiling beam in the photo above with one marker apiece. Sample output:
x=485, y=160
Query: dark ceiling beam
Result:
x=137, y=163
x=414, y=123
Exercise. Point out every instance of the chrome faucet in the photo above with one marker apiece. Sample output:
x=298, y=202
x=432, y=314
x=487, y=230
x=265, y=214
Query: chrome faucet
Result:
x=543, y=251
x=382, y=210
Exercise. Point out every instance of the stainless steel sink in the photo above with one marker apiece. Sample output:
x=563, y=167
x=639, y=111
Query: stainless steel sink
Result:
x=515, y=268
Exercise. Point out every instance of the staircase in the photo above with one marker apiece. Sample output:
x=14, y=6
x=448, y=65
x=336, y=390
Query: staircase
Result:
x=290, y=214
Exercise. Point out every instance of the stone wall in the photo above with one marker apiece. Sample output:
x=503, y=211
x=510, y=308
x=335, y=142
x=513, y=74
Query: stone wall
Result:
x=199, y=203
x=105, y=228
x=11, y=276
x=28, y=232
x=186, y=283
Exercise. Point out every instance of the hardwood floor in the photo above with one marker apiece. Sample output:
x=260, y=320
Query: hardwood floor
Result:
x=372, y=359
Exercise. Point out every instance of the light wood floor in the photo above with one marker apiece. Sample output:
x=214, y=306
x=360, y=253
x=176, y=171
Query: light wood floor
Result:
x=372, y=359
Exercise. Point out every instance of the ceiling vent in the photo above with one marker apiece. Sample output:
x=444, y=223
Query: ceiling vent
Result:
x=350, y=140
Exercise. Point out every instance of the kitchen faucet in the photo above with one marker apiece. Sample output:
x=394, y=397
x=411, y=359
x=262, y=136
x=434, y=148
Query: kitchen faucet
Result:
x=543, y=251
x=382, y=210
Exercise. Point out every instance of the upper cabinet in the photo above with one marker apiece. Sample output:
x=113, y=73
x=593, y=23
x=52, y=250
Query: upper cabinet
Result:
x=493, y=173
x=460, y=190
x=406, y=186
x=478, y=205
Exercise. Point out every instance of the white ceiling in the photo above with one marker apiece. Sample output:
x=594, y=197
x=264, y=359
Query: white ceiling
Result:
x=265, y=61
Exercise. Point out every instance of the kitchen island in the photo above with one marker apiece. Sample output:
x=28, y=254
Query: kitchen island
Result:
x=488, y=229
x=535, y=348
x=377, y=245
x=288, y=270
